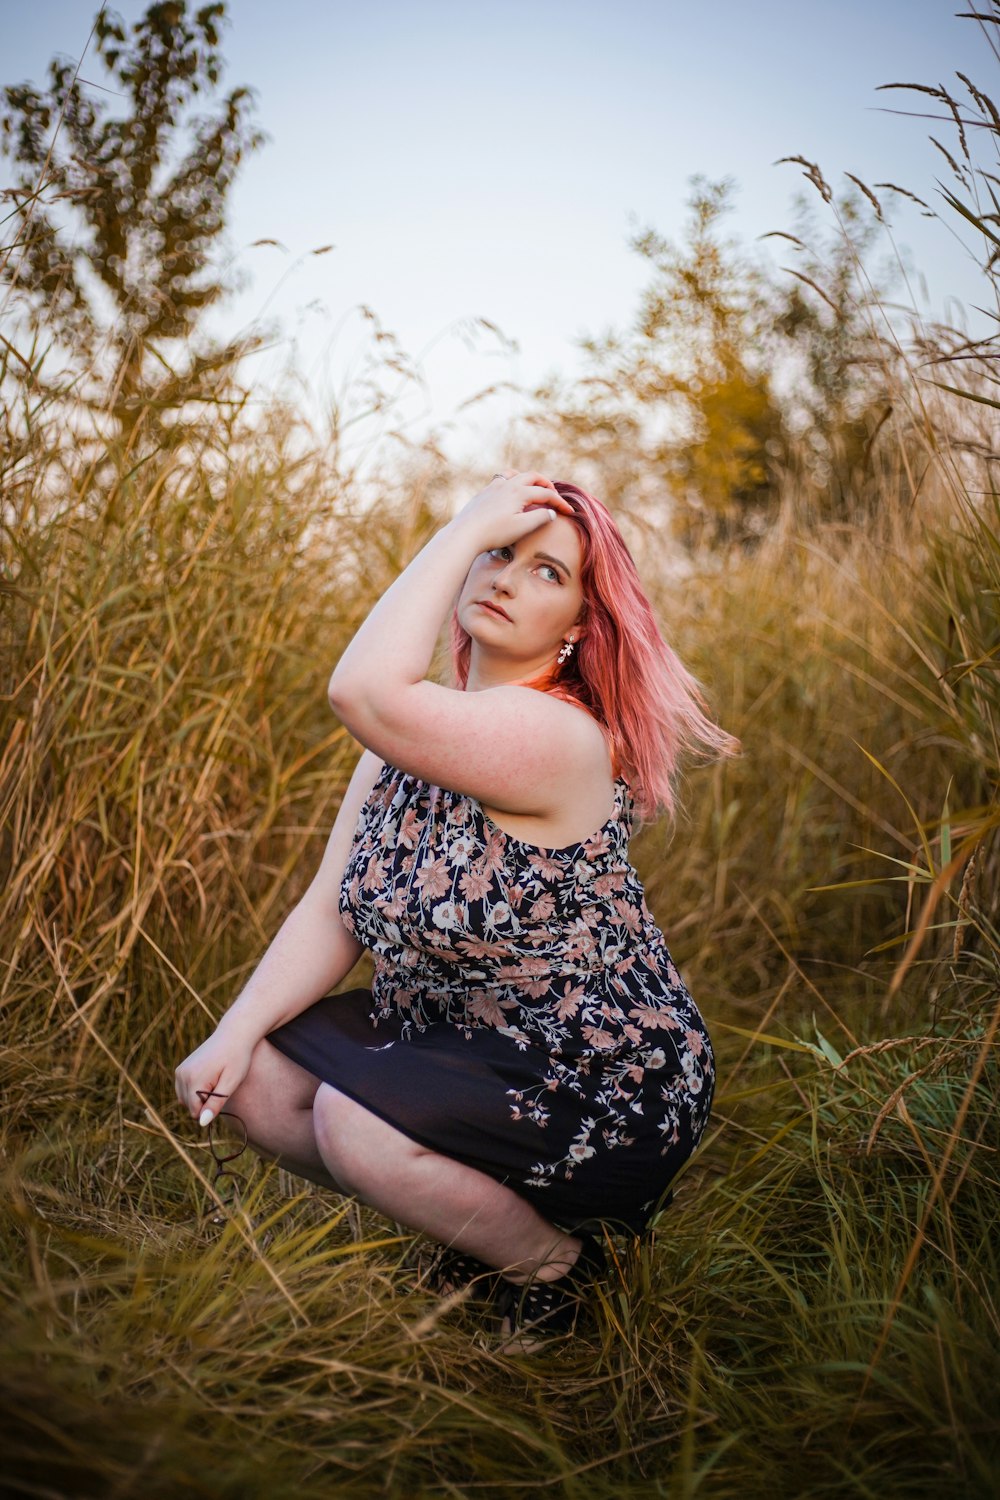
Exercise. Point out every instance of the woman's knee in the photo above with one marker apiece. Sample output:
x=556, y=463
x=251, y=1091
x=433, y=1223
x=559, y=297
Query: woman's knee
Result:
x=273, y=1087
x=331, y=1112
x=359, y=1149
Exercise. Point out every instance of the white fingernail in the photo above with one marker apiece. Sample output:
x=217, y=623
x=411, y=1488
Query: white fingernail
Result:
x=206, y=1117
x=552, y=515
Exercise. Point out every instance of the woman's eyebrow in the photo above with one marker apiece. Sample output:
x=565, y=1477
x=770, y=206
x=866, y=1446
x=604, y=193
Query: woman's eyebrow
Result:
x=547, y=557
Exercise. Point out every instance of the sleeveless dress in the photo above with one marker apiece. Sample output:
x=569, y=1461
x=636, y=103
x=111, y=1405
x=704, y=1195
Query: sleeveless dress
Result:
x=525, y=1016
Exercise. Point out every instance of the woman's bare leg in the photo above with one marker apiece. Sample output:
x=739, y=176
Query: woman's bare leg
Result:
x=275, y=1103
x=311, y=1129
x=451, y=1202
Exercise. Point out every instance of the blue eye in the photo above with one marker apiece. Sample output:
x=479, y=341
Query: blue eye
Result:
x=547, y=568
x=498, y=552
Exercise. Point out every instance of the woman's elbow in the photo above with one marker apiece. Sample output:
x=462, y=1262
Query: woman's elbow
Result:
x=356, y=704
x=343, y=693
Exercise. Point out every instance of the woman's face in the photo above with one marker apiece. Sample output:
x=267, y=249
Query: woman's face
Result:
x=524, y=600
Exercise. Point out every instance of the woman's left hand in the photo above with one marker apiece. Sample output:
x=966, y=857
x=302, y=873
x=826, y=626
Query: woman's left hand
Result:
x=511, y=506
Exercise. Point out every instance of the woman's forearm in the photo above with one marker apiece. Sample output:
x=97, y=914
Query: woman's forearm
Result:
x=310, y=954
x=395, y=645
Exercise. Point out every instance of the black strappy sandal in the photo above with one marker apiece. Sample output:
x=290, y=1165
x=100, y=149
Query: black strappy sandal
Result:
x=446, y=1271
x=550, y=1307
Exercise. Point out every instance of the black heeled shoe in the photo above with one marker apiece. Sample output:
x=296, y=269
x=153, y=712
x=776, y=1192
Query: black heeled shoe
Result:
x=550, y=1307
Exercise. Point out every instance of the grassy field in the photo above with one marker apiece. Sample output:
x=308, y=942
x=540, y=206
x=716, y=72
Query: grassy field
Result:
x=815, y=1315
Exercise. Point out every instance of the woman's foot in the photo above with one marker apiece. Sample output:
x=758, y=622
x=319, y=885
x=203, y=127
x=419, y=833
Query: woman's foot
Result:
x=538, y=1308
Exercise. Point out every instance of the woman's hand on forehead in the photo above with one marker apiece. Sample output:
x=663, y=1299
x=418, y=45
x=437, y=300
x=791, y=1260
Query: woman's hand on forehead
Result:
x=511, y=506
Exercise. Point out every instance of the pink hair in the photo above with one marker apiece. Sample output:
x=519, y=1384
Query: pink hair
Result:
x=622, y=670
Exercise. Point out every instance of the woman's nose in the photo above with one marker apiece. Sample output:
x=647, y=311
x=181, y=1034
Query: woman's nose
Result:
x=504, y=579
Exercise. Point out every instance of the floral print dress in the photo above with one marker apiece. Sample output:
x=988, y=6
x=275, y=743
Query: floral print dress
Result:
x=525, y=1016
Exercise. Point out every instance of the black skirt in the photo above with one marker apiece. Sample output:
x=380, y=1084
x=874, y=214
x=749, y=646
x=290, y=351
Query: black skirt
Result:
x=451, y=1089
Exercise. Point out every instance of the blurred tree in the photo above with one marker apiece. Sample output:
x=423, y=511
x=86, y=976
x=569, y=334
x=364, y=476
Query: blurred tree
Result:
x=122, y=281
x=688, y=386
x=831, y=334
x=698, y=325
x=730, y=380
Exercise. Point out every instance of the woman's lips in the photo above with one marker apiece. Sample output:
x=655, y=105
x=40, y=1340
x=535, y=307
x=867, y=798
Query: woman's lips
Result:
x=494, y=609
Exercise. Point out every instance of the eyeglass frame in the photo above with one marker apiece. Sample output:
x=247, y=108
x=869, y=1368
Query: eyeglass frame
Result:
x=221, y=1167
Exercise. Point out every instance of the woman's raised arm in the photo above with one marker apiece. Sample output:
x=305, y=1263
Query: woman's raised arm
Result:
x=507, y=746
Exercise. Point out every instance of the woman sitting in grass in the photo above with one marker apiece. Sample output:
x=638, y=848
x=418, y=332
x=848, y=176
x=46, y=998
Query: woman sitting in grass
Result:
x=528, y=1066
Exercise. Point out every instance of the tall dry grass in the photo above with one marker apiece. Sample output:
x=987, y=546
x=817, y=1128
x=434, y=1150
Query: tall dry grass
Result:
x=815, y=1315
x=169, y=771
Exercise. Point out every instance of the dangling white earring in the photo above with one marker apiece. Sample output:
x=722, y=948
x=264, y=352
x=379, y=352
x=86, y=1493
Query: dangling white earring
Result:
x=565, y=652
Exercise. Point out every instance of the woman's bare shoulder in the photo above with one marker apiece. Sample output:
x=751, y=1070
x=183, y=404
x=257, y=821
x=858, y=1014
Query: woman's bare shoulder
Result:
x=576, y=718
x=582, y=796
x=508, y=746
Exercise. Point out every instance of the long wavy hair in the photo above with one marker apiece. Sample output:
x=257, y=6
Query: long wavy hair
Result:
x=622, y=670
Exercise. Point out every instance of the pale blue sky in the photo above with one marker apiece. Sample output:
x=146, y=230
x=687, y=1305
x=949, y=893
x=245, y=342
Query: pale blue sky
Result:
x=488, y=160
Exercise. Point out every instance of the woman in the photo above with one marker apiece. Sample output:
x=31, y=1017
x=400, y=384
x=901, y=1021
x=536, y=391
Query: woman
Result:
x=528, y=1064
